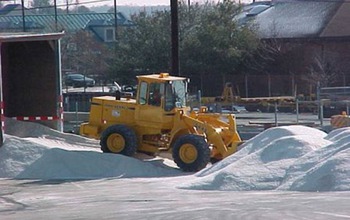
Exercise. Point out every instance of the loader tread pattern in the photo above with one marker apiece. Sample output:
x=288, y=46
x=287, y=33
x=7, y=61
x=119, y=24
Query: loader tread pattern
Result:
x=203, y=152
x=128, y=135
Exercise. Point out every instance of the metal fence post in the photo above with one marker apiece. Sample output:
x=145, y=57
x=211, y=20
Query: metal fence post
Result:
x=76, y=114
x=297, y=109
x=321, y=112
x=276, y=109
x=199, y=98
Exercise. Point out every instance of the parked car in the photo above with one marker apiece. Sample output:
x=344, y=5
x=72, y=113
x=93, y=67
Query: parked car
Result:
x=78, y=80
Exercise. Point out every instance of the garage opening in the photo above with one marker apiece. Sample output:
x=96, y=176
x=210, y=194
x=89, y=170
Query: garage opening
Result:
x=31, y=78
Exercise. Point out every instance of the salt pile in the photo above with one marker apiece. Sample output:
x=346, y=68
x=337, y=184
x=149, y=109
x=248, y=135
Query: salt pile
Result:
x=44, y=153
x=283, y=158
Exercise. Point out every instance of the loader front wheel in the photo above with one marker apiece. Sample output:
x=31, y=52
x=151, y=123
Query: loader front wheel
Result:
x=119, y=139
x=191, y=153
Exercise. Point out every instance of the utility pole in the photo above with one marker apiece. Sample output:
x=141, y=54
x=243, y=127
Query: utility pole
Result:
x=115, y=32
x=23, y=17
x=115, y=19
x=67, y=6
x=174, y=38
x=55, y=5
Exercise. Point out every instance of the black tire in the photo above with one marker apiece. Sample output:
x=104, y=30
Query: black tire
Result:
x=191, y=153
x=119, y=139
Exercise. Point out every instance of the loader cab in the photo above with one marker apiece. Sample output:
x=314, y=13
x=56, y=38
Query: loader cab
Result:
x=159, y=96
x=166, y=94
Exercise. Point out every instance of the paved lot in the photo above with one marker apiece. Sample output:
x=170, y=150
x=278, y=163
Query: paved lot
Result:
x=136, y=198
x=282, y=118
x=251, y=123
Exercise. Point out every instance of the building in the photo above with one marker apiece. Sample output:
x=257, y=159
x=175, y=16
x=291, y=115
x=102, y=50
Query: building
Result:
x=312, y=44
x=102, y=25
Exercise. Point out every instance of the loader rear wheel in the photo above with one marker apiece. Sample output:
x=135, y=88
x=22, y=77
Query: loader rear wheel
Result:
x=191, y=153
x=119, y=139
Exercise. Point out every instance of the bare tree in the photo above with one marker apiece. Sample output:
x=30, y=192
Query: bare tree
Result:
x=82, y=53
x=322, y=71
x=42, y=6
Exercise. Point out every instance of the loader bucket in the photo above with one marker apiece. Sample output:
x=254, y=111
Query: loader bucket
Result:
x=220, y=132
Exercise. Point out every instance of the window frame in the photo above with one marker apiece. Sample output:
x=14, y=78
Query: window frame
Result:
x=111, y=38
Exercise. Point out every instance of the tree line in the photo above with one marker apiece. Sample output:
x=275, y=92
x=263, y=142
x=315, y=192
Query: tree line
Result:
x=212, y=45
x=210, y=42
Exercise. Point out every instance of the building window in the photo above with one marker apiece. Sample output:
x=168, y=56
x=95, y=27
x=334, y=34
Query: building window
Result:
x=109, y=35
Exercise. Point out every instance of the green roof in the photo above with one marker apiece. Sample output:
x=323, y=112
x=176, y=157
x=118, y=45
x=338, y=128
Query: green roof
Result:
x=68, y=22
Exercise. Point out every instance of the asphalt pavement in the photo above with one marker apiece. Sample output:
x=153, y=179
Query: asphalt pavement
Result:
x=250, y=124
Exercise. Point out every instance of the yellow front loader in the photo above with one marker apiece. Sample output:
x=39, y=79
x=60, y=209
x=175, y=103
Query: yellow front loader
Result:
x=158, y=120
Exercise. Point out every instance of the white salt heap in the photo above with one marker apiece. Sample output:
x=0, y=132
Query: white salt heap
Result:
x=44, y=153
x=283, y=158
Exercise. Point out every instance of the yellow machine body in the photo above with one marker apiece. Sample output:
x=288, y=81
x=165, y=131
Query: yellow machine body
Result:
x=158, y=126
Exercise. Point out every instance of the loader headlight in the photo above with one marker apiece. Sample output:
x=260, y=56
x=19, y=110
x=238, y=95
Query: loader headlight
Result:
x=218, y=130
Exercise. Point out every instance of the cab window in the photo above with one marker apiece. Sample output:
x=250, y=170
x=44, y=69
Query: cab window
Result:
x=143, y=93
x=175, y=95
x=156, y=91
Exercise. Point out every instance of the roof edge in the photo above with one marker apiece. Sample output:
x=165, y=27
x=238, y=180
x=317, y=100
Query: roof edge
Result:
x=15, y=37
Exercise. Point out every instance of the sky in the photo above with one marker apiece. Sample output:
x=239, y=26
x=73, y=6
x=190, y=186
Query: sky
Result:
x=142, y=2
x=286, y=158
x=90, y=3
x=95, y=3
x=148, y=2
x=158, y=2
